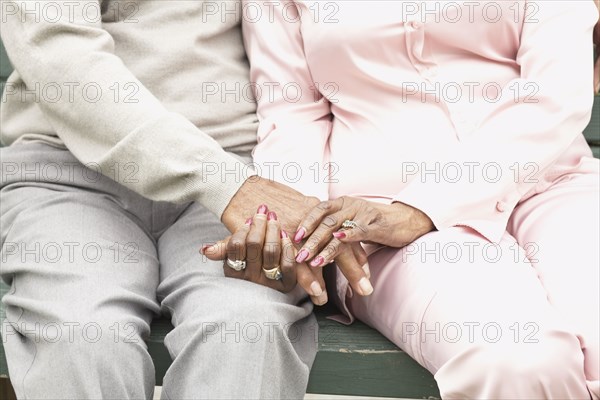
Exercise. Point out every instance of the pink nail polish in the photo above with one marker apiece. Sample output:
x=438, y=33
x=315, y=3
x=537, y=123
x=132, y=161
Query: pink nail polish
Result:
x=262, y=209
x=339, y=235
x=249, y=221
x=284, y=234
x=303, y=255
x=271, y=216
x=299, y=235
x=317, y=261
x=206, y=247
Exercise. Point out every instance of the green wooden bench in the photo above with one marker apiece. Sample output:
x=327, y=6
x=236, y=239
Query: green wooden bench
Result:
x=351, y=360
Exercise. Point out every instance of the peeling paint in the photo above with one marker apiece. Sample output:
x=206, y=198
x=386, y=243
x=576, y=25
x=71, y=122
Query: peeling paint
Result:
x=370, y=351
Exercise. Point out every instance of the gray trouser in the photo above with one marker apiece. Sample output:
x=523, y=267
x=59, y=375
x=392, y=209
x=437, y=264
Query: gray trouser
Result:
x=90, y=263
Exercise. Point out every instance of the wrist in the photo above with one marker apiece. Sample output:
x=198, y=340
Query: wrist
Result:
x=412, y=218
x=289, y=204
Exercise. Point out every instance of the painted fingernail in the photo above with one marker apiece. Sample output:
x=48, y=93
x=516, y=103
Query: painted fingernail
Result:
x=365, y=286
x=322, y=299
x=367, y=270
x=262, y=209
x=317, y=261
x=339, y=235
x=271, y=216
x=303, y=255
x=249, y=221
x=315, y=288
x=206, y=247
x=284, y=234
x=299, y=235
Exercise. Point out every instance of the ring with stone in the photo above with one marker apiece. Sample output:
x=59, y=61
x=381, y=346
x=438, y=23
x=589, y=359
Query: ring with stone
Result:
x=349, y=224
x=238, y=265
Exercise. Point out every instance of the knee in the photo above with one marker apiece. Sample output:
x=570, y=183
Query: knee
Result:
x=552, y=367
x=80, y=340
x=553, y=358
x=257, y=322
x=253, y=322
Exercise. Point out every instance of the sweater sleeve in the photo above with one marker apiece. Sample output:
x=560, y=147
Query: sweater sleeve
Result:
x=174, y=160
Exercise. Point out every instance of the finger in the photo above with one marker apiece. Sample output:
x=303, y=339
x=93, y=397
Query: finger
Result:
x=318, y=275
x=216, y=251
x=331, y=250
x=362, y=232
x=287, y=263
x=322, y=235
x=254, y=245
x=272, y=247
x=236, y=249
x=314, y=217
x=352, y=270
x=311, y=280
x=361, y=257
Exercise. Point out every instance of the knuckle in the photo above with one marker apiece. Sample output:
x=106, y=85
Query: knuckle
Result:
x=235, y=244
x=254, y=241
x=331, y=247
x=314, y=241
x=287, y=255
x=324, y=206
x=304, y=278
x=311, y=219
x=331, y=221
x=253, y=254
x=270, y=254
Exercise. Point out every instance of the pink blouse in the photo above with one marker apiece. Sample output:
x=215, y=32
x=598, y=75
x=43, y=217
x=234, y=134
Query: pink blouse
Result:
x=458, y=108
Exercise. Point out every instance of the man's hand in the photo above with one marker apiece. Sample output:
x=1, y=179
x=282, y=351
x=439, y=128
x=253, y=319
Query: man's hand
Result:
x=290, y=205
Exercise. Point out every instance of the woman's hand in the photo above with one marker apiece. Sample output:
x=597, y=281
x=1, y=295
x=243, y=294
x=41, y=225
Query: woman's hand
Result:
x=394, y=225
x=263, y=246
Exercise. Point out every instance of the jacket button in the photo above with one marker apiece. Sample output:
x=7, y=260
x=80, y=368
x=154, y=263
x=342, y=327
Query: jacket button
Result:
x=500, y=206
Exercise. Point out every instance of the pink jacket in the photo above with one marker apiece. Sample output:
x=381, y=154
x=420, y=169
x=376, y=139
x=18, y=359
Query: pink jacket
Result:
x=460, y=109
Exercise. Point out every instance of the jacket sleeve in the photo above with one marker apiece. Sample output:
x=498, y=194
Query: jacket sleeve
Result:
x=295, y=119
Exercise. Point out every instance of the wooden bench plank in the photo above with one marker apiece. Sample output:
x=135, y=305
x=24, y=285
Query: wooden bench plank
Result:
x=592, y=131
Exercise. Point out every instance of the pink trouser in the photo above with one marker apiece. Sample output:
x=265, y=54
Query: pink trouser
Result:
x=513, y=320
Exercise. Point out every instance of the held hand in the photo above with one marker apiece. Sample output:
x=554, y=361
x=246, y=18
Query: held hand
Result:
x=394, y=225
x=265, y=248
x=291, y=206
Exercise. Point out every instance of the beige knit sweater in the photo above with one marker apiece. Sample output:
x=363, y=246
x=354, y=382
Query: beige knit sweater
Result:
x=159, y=86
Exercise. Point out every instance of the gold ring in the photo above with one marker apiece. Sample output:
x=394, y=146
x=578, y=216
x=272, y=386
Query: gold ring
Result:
x=349, y=224
x=274, y=273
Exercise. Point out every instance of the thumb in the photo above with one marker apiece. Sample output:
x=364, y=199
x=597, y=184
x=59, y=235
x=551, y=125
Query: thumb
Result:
x=217, y=251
